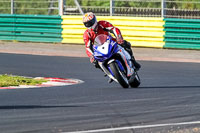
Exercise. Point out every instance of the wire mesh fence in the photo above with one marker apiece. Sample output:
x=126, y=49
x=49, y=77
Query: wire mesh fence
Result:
x=119, y=7
x=137, y=8
x=5, y=7
x=42, y=7
x=183, y=9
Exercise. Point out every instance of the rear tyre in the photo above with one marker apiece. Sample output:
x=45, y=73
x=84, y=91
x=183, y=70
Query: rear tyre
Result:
x=120, y=76
x=135, y=82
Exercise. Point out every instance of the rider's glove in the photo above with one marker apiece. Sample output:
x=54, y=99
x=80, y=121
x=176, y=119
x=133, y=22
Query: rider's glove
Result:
x=92, y=59
x=120, y=39
x=94, y=62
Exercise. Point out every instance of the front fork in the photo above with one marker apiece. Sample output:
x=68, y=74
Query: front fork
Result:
x=127, y=60
x=106, y=71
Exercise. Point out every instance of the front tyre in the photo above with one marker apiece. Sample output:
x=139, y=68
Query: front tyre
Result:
x=120, y=76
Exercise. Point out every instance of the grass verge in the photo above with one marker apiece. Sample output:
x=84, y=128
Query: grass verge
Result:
x=10, y=80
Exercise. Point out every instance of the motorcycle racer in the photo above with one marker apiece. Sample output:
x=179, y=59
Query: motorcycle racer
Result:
x=95, y=28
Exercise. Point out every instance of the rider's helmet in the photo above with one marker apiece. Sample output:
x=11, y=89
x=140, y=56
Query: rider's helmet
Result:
x=89, y=20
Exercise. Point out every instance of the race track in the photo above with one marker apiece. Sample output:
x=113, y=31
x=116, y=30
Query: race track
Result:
x=169, y=93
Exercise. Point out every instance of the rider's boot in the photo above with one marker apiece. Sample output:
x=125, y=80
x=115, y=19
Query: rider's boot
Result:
x=135, y=63
x=127, y=47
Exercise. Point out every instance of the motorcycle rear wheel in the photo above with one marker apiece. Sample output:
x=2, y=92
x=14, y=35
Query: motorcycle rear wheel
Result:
x=135, y=82
x=120, y=76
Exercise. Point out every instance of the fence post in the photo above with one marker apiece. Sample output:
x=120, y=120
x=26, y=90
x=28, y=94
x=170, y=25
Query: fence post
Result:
x=61, y=7
x=111, y=7
x=12, y=7
x=163, y=6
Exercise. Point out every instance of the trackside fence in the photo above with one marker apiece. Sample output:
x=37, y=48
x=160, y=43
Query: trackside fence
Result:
x=142, y=31
x=139, y=31
x=35, y=28
x=182, y=33
x=146, y=32
x=73, y=29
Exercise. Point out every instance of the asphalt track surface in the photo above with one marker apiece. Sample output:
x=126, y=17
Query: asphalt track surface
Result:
x=169, y=93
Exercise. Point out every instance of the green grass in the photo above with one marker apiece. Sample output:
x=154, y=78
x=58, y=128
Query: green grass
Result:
x=10, y=80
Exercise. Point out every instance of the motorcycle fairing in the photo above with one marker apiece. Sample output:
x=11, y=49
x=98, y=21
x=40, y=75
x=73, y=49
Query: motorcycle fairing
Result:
x=105, y=48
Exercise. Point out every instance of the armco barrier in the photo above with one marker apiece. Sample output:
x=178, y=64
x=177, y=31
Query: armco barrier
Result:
x=35, y=28
x=73, y=29
x=145, y=32
x=140, y=31
x=182, y=33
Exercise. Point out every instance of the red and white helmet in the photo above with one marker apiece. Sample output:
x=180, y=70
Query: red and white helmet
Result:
x=89, y=20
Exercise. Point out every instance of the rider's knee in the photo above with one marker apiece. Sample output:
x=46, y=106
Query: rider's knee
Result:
x=127, y=44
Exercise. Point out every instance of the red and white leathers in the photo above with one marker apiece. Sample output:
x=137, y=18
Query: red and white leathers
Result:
x=103, y=27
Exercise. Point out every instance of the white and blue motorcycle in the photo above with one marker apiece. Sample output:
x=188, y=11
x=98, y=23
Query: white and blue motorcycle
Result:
x=115, y=61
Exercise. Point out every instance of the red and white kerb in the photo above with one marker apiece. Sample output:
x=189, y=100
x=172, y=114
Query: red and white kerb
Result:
x=50, y=83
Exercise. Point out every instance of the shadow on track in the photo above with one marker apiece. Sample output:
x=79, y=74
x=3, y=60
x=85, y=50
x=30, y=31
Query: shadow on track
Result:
x=35, y=107
x=156, y=87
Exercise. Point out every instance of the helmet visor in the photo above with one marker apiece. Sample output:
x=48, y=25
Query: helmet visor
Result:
x=90, y=23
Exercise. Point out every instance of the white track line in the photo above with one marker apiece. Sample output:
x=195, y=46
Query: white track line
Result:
x=136, y=127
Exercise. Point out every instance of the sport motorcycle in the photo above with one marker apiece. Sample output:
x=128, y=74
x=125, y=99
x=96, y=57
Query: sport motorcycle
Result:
x=115, y=61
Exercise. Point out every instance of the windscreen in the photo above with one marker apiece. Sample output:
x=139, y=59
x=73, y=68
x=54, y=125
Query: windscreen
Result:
x=100, y=39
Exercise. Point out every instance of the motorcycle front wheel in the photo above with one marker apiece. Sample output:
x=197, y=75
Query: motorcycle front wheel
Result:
x=120, y=76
